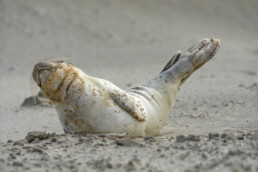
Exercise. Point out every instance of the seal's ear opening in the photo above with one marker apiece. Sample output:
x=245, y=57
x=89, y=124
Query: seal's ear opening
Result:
x=172, y=61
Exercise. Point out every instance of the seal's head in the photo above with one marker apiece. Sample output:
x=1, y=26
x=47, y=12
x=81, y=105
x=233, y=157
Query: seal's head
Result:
x=55, y=78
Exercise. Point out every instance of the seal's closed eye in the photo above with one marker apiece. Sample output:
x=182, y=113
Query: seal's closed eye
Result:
x=59, y=61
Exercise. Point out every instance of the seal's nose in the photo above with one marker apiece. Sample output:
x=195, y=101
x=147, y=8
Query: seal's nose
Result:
x=214, y=40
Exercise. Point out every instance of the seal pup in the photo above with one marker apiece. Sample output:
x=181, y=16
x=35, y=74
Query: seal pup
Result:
x=86, y=104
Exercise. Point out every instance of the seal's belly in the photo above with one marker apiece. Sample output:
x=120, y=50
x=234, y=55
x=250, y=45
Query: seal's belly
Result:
x=96, y=112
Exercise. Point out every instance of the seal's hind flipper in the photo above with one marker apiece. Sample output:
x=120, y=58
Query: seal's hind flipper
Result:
x=172, y=61
x=129, y=104
x=194, y=58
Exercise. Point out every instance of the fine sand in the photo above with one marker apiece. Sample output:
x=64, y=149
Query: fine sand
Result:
x=214, y=122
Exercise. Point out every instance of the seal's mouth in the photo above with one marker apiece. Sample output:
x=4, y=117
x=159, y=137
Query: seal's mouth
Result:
x=38, y=80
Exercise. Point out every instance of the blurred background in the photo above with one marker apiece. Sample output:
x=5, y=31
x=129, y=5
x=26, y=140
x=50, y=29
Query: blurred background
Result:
x=129, y=42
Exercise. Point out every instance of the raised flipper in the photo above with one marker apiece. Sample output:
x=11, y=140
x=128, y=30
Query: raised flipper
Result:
x=129, y=104
x=172, y=61
x=180, y=67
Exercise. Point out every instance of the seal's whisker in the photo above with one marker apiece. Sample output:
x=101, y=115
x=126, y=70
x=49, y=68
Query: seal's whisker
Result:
x=33, y=89
x=57, y=59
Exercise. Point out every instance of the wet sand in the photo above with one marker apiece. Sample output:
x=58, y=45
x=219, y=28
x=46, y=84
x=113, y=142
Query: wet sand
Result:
x=129, y=42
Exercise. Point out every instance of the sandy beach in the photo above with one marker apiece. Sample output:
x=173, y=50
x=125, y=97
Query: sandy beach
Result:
x=213, y=125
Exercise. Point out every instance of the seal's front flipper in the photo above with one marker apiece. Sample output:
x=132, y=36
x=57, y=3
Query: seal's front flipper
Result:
x=172, y=61
x=129, y=104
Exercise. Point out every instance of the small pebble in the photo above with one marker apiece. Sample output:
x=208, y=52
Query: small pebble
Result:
x=17, y=164
x=228, y=136
x=193, y=138
x=180, y=138
x=31, y=136
x=9, y=141
x=126, y=142
x=53, y=140
x=18, y=143
x=213, y=136
x=12, y=156
x=149, y=139
x=204, y=156
x=36, y=149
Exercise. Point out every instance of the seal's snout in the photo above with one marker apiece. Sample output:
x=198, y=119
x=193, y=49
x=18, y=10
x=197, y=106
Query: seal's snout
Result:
x=39, y=69
x=213, y=47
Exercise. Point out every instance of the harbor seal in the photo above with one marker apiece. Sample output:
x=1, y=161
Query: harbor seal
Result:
x=86, y=104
